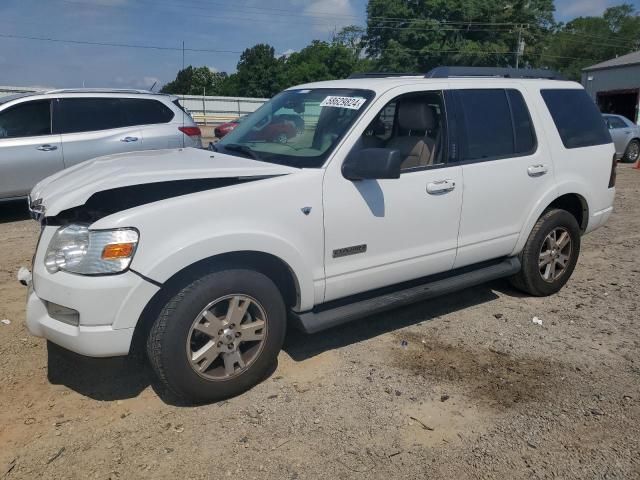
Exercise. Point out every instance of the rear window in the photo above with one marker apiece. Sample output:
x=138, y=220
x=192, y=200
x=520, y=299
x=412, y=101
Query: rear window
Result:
x=578, y=120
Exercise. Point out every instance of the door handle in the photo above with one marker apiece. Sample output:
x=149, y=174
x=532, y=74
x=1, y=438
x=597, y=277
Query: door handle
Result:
x=440, y=187
x=47, y=148
x=537, y=170
x=129, y=139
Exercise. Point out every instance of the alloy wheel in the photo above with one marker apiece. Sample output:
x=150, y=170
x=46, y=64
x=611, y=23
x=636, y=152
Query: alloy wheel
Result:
x=555, y=254
x=226, y=337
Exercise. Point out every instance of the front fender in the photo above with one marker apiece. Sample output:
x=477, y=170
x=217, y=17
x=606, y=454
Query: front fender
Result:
x=174, y=256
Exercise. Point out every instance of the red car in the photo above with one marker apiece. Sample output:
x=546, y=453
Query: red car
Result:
x=221, y=130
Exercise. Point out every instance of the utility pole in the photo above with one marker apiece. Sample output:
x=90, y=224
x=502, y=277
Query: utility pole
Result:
x=520, y=47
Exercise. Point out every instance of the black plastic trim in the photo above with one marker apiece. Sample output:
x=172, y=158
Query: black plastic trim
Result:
x=150, y=280
x=359, y=306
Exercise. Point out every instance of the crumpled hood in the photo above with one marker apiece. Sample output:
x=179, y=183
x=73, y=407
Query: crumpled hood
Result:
x=73, y=187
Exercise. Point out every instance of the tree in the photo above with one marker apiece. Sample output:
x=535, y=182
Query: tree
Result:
x=196, y=81
x=585, y=41
x=259, y=72
x=417, y=35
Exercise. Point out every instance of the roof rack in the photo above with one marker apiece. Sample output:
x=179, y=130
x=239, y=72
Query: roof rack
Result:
x=100, y=90
x=382, y=75
x=450, y=72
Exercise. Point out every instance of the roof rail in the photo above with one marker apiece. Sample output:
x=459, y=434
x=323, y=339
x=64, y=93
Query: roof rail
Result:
x=99, y=90
x=382, y=75
x=449, y=72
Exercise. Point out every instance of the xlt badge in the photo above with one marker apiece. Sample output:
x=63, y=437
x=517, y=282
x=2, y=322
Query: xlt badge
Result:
x=343, y=252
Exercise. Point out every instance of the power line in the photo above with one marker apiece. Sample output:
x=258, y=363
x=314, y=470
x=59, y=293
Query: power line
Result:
x=109, y=44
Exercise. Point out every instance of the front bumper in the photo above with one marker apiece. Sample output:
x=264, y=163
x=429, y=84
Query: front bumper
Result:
x=93, y=341
x=108, y=307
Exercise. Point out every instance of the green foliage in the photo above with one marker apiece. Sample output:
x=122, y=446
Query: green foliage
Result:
x=428, y=33
x=196, y=81
x=586, y=41
x=417, y=35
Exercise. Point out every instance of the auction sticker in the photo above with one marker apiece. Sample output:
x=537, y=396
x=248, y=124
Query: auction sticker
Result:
x=353, y=103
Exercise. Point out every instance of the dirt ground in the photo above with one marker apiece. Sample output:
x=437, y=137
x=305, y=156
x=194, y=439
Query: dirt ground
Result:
x=465, y=386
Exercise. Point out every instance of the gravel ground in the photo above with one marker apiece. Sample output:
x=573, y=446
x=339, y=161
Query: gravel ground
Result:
x=465, y=386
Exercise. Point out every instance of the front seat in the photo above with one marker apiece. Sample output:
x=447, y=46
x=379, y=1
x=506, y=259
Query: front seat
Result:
x=415, y=119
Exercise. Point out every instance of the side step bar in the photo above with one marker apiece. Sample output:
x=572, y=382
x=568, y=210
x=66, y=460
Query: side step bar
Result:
x=316, y=321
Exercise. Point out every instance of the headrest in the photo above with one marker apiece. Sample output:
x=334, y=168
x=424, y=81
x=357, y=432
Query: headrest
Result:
x=415, y=115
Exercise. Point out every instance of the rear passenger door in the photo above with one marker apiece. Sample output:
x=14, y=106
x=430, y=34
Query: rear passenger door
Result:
x=506, y=170
x=91, y=127
x=153, y=119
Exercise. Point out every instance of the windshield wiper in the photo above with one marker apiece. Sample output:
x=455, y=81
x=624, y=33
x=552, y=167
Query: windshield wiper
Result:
x=236, y=147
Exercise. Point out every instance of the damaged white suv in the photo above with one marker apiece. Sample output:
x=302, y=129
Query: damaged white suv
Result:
x=397, y=189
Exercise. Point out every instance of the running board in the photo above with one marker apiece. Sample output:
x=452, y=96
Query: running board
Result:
x=316, y=321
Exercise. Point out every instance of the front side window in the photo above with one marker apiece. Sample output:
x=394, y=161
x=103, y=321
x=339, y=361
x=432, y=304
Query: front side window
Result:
x=28, y=119
x=299, y=128
x=74, y=115
x=414, y=124
x=578, y=120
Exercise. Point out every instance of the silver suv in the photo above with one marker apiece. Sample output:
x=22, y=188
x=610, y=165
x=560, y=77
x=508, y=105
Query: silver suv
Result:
x=42, y=133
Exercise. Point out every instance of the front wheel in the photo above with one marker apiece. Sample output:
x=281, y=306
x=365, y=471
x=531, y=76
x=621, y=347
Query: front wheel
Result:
x=632, y=153
x=550, y=254
x=219, y=336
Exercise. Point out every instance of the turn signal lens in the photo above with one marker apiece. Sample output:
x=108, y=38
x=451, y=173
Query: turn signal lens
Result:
x=116, y=251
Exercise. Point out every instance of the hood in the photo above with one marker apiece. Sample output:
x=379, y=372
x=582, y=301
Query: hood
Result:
x=74, y=186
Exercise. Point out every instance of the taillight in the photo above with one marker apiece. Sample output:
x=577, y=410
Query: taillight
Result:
x=191, y=131
x=612, y=177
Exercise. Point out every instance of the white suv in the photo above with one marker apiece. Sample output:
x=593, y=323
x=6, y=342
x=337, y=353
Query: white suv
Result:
x=399, y=188
x=42, y=133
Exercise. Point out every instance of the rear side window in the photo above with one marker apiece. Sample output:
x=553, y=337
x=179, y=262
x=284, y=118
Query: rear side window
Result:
x=577, y=118
x=28, y=119
x=495, y=124
x=522, y=124
x=75, y=115
x=140, y=111
x=615, y=122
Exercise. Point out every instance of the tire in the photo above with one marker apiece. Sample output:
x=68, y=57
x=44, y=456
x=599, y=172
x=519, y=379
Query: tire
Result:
x=632, y=153
x=531, y=278
x=174, y=338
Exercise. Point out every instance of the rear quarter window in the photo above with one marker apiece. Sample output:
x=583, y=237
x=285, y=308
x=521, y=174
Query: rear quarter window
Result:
x=140, y=111
x=578, y=120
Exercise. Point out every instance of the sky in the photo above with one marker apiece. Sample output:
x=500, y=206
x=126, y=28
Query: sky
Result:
x=222, y=27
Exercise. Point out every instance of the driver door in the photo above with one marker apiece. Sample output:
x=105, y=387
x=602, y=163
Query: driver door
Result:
x=383, y=232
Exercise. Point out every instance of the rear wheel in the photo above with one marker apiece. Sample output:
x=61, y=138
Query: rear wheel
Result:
x=282, y=138
x=632, y=153
x=550, y=254
x=219, y=336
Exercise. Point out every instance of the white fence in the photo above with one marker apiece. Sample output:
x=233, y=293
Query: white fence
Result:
x=208, y=111
x=216, y=110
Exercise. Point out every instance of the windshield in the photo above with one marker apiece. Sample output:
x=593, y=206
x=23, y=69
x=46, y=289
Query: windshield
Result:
x=299, y=128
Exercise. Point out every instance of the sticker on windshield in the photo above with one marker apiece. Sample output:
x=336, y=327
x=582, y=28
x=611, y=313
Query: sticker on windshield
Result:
x=353, y=103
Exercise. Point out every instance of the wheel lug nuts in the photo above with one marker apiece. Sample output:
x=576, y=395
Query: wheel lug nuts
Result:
x=230, y=346
x=219, y=344
x=237, y=334
x=233, y=325
x=220, y=332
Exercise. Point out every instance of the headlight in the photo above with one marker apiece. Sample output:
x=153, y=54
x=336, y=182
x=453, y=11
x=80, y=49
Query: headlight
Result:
x=76, y=249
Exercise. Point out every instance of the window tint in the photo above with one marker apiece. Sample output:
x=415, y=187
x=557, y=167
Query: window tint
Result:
x=522, y=125
x=27, y=119
x=577, y=118
x=87, y=115
x=139, y=111
x=615, y=122
x=486, y=119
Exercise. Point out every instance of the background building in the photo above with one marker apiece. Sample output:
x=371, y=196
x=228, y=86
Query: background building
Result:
x=615, y=85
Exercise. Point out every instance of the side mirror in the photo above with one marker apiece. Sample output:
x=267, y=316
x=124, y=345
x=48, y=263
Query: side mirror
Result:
x=372, y=164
